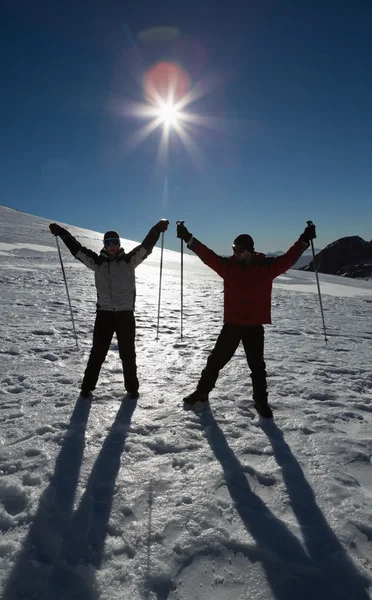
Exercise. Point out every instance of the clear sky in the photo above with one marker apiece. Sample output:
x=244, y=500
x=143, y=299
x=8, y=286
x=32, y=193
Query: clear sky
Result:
x=286, y=133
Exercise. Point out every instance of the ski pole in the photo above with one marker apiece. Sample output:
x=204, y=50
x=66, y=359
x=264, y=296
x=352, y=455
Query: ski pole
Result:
x=317, y=282
x=68, y=295
x=181, y=223
x=161, y=273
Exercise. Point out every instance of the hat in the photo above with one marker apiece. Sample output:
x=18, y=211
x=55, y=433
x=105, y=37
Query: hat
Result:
x=111, y=234
x=245, y=240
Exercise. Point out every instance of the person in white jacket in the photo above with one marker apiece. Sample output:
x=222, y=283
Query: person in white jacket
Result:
x=116, y=293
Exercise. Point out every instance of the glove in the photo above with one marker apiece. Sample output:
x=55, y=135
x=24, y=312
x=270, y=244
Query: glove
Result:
x=55, y=229
x=308, y=234
x=183, y=233
x=162, y=225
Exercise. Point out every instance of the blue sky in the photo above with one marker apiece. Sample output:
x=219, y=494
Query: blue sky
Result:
x=292, y=102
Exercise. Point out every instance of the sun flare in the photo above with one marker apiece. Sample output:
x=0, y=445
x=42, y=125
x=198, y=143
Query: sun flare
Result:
x=169, y=114
x=169, y=94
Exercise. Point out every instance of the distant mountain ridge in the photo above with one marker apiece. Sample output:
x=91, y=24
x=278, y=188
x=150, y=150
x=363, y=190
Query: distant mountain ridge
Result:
x=348, y=257
x=304, y=260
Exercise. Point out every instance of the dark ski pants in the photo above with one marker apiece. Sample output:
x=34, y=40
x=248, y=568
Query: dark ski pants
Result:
x=107, y=323
x=252, y=338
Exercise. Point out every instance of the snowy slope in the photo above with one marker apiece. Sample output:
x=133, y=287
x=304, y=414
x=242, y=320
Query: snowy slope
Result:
x=123, y=500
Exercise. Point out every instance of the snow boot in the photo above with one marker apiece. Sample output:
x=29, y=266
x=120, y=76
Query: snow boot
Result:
x=263, y=409
x=196, y=397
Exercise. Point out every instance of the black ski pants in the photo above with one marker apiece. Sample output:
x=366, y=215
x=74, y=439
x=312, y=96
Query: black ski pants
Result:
x=252, y=337
x=107, y=323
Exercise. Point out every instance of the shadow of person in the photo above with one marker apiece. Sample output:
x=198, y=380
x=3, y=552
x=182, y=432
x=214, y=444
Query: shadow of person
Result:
x=64, y=548
x=290, y=571
x=320, y=541
x=86, y=532
x=42, y=546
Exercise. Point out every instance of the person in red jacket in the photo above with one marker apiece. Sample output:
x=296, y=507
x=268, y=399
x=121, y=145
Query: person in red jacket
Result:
x=248, y=278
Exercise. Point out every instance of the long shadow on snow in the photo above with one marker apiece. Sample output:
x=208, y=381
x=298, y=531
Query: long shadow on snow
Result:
x=42, y=545
x=64, y=548
x=321, y=542
x=324, y=571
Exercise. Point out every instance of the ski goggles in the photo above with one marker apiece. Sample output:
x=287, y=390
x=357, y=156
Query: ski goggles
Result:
x=111, y=242
x=238, y=248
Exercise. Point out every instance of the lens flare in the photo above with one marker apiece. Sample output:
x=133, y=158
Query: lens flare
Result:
x=169, y=94
x=166, y=82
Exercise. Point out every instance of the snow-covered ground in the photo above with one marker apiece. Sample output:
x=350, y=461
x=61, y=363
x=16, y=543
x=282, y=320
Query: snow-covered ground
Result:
x=130, y=500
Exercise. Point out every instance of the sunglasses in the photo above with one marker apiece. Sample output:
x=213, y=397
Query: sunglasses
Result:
x=238, y=248
x=111, y=242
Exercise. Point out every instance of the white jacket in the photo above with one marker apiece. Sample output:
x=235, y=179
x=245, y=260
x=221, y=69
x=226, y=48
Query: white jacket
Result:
x=114, y=277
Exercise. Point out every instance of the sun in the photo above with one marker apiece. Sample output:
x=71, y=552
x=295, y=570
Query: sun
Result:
x=169, y=94
x=169, y=114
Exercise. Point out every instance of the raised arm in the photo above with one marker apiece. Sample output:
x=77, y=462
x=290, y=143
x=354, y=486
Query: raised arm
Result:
x=87, y=257
x=286, y=261
x=210, y=258
x=139, y=253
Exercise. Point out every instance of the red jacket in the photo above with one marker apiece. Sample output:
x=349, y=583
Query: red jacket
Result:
x=247, y=288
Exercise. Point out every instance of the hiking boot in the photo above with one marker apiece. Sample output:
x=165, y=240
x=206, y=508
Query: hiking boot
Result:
x=196, y=397
x=263, y=410
x=86, y=394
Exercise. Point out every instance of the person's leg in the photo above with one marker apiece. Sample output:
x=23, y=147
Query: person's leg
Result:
x=102, y=336
x=126, y=330
x=226, y=345
x=253, y=343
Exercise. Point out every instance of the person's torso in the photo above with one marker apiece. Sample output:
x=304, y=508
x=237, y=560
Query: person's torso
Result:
x=115, y=284
x=247, y=294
